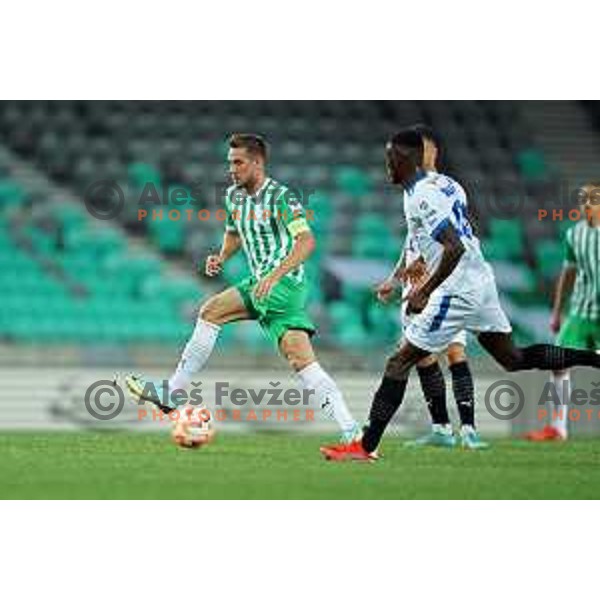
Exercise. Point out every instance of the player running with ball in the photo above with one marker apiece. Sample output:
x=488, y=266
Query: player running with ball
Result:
x=271, y=227
x=460, y=293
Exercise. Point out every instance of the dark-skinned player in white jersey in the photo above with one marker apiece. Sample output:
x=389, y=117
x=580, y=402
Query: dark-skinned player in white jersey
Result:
x=459, y=293
x=411, y=270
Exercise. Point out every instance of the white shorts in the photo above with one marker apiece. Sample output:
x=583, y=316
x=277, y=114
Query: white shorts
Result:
x=448, y=314
x=460, y=338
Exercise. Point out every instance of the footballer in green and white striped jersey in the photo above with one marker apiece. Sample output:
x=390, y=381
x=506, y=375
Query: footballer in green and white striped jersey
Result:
x=582, y=251
x=266, y=219
x=580, y=278
x=267, y=223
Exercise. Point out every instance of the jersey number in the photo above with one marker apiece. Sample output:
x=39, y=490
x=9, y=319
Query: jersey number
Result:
x=462, y=220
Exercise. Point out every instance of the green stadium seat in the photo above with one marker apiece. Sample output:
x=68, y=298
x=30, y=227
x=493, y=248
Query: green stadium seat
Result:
x=505, y=241
x=383, y=322
x=353, y=181
x=43, y=242
x=371, y=224
x=356, y=297
x=251, y=335
x=549, y=257
x=346, y=323
x=374, y=247
x=139, y=174
x=323, y=210
x=70, y=217
x=168, y=236
x=373, y=239
x=532, y=164
x=130, y=297
x=11, y=194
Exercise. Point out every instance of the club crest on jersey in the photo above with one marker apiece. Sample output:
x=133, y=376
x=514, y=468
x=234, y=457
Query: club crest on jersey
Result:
x=427, y=212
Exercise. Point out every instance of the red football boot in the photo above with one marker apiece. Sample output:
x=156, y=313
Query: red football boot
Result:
x=352, y=451
x=547, y=434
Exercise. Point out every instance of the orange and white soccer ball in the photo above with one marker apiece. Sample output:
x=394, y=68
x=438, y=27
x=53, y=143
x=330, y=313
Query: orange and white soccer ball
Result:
x=193, y=428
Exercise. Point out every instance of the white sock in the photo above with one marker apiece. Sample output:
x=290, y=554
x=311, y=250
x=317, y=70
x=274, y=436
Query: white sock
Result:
x=194, y=355
x=445, y=428
x=562, y=383
x=328, y=395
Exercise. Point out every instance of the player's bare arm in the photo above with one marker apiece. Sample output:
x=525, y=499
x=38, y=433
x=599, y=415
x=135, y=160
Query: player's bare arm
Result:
x=398, y=273
x=385, y=290
x=415, y=272
x=304, y=245
x=231, y=244
x=564, y=287
x=411, y=274
x=453, y=251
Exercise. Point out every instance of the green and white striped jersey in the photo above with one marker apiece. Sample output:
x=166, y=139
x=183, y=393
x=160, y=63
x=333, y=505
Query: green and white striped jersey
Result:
x=267, y=223
x=582, y=250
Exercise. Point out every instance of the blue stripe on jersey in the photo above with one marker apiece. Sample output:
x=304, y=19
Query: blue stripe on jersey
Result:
x=437, y=232
x=441, y=315
x=410, y=185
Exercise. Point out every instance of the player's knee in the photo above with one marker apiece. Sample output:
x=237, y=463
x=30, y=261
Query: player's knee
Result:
x=427, y=361
x=397, y=368
x=512, y=362
x=297, y=363
x=297, y=360
x=456, y=354
x=211, y=312
x=296, y=354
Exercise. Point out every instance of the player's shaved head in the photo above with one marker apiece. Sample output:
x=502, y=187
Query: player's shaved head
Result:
x=406, y=138
x=404, y=155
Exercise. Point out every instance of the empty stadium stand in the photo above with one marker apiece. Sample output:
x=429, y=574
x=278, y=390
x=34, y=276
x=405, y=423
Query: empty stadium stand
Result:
x=67, y=277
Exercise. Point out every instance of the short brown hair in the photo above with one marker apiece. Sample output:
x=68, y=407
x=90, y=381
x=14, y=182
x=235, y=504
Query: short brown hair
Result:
x=252, y=143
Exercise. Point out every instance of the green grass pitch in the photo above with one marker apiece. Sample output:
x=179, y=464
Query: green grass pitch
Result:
x=279, y=466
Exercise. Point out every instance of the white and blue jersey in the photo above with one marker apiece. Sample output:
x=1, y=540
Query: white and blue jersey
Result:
x=432, y=203
x=468, y=299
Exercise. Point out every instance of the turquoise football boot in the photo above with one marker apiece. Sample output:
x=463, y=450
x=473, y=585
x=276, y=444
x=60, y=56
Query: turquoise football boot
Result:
x=352, y=434
x=470, y=439
x=440, y=436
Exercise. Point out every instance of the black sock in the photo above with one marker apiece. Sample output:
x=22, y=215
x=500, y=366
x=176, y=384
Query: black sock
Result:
x=464, y=392
x=386, y=401
x=554, y=358
x=434, y=390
